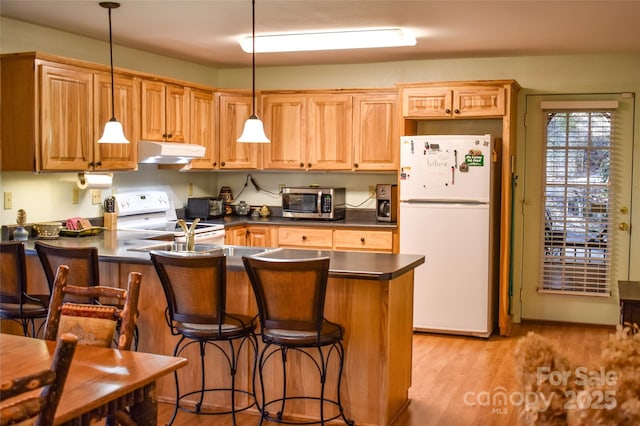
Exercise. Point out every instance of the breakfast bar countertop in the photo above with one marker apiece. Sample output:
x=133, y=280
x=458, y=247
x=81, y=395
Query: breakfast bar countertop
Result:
x=125, y=247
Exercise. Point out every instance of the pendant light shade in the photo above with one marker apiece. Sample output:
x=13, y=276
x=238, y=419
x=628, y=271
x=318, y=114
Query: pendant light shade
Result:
x=253, y=131
x=113, y=132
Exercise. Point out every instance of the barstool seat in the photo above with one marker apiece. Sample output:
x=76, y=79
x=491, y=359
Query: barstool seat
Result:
x=290, y=294
x=195, y=289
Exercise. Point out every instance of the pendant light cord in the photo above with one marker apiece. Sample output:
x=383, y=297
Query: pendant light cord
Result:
x=253, y=57
x=113, y=101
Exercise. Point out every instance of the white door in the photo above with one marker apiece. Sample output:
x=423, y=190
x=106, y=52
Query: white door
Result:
x=451, y=289
x=596, y=309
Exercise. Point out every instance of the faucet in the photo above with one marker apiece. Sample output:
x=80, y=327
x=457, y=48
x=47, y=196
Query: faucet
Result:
x=189, y=233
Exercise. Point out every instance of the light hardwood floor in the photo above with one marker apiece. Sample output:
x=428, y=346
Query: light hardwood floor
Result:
x=452, y=374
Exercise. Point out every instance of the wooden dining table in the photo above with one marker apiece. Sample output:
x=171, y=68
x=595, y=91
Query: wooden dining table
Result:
x=100, y=379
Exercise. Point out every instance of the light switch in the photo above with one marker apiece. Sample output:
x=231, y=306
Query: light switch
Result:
x=8, y=200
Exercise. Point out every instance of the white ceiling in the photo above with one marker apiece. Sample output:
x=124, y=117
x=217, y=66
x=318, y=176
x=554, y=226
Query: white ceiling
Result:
x=206, y=31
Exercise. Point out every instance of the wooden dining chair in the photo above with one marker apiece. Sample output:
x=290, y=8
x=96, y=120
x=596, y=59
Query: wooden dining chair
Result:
x=41, y=409
x=95, y=325
x=15, y=303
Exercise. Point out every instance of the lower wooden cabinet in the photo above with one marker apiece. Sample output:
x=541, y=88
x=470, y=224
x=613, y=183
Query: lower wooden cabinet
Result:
x=298, y=237
x=363, y=240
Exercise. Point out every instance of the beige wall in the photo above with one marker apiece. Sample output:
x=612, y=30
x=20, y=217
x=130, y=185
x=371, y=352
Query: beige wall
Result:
x=536, y=74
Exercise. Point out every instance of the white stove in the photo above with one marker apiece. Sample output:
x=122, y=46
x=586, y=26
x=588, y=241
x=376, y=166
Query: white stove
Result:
x=154, y=211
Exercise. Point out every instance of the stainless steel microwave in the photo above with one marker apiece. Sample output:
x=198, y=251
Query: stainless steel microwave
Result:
x=313, y=203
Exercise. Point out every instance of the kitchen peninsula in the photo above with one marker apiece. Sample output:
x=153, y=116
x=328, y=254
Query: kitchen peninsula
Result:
x=370, y=294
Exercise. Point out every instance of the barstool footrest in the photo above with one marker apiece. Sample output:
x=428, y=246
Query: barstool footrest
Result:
x=213, y=413
x=301, y=421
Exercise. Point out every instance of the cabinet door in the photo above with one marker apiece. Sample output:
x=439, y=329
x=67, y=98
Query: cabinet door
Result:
x=233, y=111
x=66, y=118
x=426, y=102
x=479, y=102
x=330, y=129
x=177, y=113
x=363, y=240
x=153, y=110
x=236, y=236
x=376, y=138
x=202, y=130
x=284, y=123
x=127, y=111
x=261, y=236
x=289, y=236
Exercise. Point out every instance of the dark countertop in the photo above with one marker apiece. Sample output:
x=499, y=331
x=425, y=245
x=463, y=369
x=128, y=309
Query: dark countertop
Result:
x=124, y=247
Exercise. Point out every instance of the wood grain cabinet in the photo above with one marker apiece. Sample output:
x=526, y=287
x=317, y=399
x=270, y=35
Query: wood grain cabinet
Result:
x=165, y=111
x=127, y=111
x=233, y=110
x=376, y=131
x=308, y=132
x=202, y=128
x=301, y=237
x=363, y=240
x=444, y=102
x=261, y=236
x=54, y=110
x=236, y=236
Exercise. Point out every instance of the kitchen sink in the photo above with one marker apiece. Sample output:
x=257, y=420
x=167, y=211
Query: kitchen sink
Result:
x=181, y=248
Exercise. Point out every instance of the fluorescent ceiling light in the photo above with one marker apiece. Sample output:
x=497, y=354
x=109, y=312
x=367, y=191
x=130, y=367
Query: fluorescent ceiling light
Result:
x=334, y=40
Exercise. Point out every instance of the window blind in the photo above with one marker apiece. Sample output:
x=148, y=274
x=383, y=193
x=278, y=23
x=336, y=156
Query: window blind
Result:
x=576, y=241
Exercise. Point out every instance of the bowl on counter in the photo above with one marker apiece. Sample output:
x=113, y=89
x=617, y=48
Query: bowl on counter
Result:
x=47, y=229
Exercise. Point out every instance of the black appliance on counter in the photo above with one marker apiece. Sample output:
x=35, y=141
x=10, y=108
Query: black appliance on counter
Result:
x=386, y=202
x=205, y=207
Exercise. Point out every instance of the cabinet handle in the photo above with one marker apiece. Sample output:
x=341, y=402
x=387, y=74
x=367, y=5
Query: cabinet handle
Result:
x=301, y=164
x=362, y=240
x=304, y=238
x=91, y=164
x=222, y=164
x=448, y=111
x=170, y=135
x=356, y=165
x=99, y=164
x=164, y=135
x=309, y=165
x=457, y=111
x=215, y=163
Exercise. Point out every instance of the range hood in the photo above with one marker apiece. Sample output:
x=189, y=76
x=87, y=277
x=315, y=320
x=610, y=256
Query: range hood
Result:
x=152, y=152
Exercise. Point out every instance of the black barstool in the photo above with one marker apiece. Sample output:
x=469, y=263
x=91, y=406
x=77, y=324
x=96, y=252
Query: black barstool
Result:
x=290, y=295
x=195, y=289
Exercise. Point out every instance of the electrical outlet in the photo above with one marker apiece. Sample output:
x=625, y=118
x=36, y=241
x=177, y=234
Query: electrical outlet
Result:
x=75, y=196
x=8, y=200
x=372, y=191
x=96, y=196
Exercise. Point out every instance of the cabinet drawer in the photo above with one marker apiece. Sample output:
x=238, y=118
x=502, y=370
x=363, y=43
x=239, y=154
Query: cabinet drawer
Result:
x=305, y=237
x=363, y=240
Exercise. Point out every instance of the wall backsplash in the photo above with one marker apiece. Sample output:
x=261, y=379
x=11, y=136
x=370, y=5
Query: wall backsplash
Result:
x=49, y=196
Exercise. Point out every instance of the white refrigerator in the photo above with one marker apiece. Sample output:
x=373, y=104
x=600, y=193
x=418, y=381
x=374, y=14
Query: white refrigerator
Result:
x=448, y=212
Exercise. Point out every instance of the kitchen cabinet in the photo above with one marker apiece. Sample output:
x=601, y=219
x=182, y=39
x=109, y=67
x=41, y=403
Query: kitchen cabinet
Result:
x=127, y=110
x=165, y=111
x=236, y=236
x=233, y=110
x=53, y=112
x=300, y=237
x=261, y=236
x=376, y=131
x=363, y=240
x=458, y=102
x=307, y=132
x=202, y=128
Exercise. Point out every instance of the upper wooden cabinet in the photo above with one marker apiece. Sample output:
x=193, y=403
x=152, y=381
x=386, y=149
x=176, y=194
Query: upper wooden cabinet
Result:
x=165, y=111
x=54, y=112
x=447, y=102
x=284, y=118
x=331, y=131
x=127, y=110
x=233, y=110
x=202, y=128
x=376, y=131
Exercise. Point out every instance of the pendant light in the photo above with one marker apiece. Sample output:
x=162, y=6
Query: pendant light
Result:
x=253, y=129
x=113, y=132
